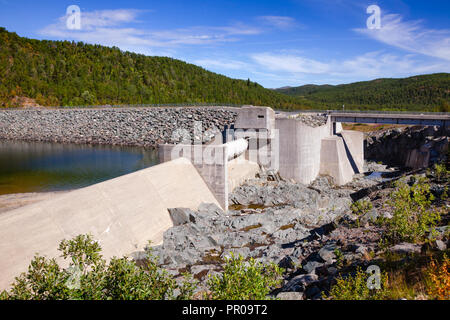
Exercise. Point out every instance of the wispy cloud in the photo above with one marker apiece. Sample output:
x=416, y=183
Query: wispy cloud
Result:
x=118, y=28
x=411, y=36
x=222, y=64
x=279, y=22
x=367, y=66
x=290, y=63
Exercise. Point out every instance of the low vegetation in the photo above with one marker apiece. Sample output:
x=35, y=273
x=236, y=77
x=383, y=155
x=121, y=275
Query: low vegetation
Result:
x=413, y=217
x=243, y=280
x=90, y=277
x=424, y=278
x=361, y=207
x=439, y=274
x=357, y=287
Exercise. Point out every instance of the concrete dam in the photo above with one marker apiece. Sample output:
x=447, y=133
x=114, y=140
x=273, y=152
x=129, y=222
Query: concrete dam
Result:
x=124, y=213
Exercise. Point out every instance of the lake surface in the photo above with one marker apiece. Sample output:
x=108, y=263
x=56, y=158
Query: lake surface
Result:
x=40, y=167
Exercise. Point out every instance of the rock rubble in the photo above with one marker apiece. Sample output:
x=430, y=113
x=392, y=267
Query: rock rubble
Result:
x=145, y=127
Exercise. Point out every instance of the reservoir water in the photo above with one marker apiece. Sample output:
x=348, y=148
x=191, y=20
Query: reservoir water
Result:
x=40, y=167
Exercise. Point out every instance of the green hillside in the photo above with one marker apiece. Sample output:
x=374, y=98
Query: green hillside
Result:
x=66, y=73
x=424, y=93
x=56, y=73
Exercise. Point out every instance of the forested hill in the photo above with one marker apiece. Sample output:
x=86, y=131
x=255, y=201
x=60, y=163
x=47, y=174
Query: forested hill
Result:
x=422, y=93
x=64, y=73
x=56, y=73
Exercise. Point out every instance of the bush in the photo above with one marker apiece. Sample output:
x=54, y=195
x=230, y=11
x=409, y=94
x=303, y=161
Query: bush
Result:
x=412, y=215
x=361, y=207
x=244, y=280
x=356, y=288
x=440, y=171
x=90, y=277
x=439, y=275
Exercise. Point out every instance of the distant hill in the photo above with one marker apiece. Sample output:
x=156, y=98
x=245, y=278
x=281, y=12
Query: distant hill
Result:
x=65, y=73
x=54, y=73
x=424, y=93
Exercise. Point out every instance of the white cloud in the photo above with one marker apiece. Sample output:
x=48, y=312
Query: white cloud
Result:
x=411, y=36
x=221, y=64
x=111, y=27
x=367, y=66
x=280, y=22
x=290, y=63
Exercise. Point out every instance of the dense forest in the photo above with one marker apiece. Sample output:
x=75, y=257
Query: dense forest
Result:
x=64, y=73
x=420, y=93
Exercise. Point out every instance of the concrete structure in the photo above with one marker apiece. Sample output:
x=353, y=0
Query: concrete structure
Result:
x=303, y=152
x=354, y=148
x=300, y=149
x=426, y=119
x=334, y=160
x=222, y=167
x=123, y=214
x=257, y=118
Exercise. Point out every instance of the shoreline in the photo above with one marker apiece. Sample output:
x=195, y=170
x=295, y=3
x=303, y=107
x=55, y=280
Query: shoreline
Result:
x=13, y=201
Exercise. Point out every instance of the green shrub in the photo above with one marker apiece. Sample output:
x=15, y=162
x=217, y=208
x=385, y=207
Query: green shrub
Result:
x=90, y=277
x=361, y=207
x=440, y=171
x=356, y=288
x=243, y=280
x=339, y=257
x=412, y=215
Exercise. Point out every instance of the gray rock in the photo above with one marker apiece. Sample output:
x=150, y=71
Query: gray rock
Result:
x=311, y=266
x=440, y=245
x=146, y=127
x=443, y=230
x=298, y=252
x=327, y=252
x=209, y=209
x=181, y=216
x=332, y=271
x=361, y=250
x=290, y=296
x=405, y=248
x=288, y=262
x=201, y=272
x=300, y=282
x=370, y=216
x=244, y=252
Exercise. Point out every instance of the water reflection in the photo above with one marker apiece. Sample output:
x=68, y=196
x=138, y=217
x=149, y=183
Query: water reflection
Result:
x=37, y=166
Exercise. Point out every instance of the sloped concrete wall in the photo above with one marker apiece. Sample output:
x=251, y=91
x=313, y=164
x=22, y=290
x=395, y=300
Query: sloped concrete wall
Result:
x=354, y=142
x=123, y=214
x=334, y=161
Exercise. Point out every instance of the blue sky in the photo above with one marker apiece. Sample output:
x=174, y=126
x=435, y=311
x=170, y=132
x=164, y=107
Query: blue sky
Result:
x=275, y=43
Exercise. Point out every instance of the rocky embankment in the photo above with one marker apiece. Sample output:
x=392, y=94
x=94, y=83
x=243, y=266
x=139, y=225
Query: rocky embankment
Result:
x=312, y=120
x=300, y=227
x=145, y=127
x=413, y=147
